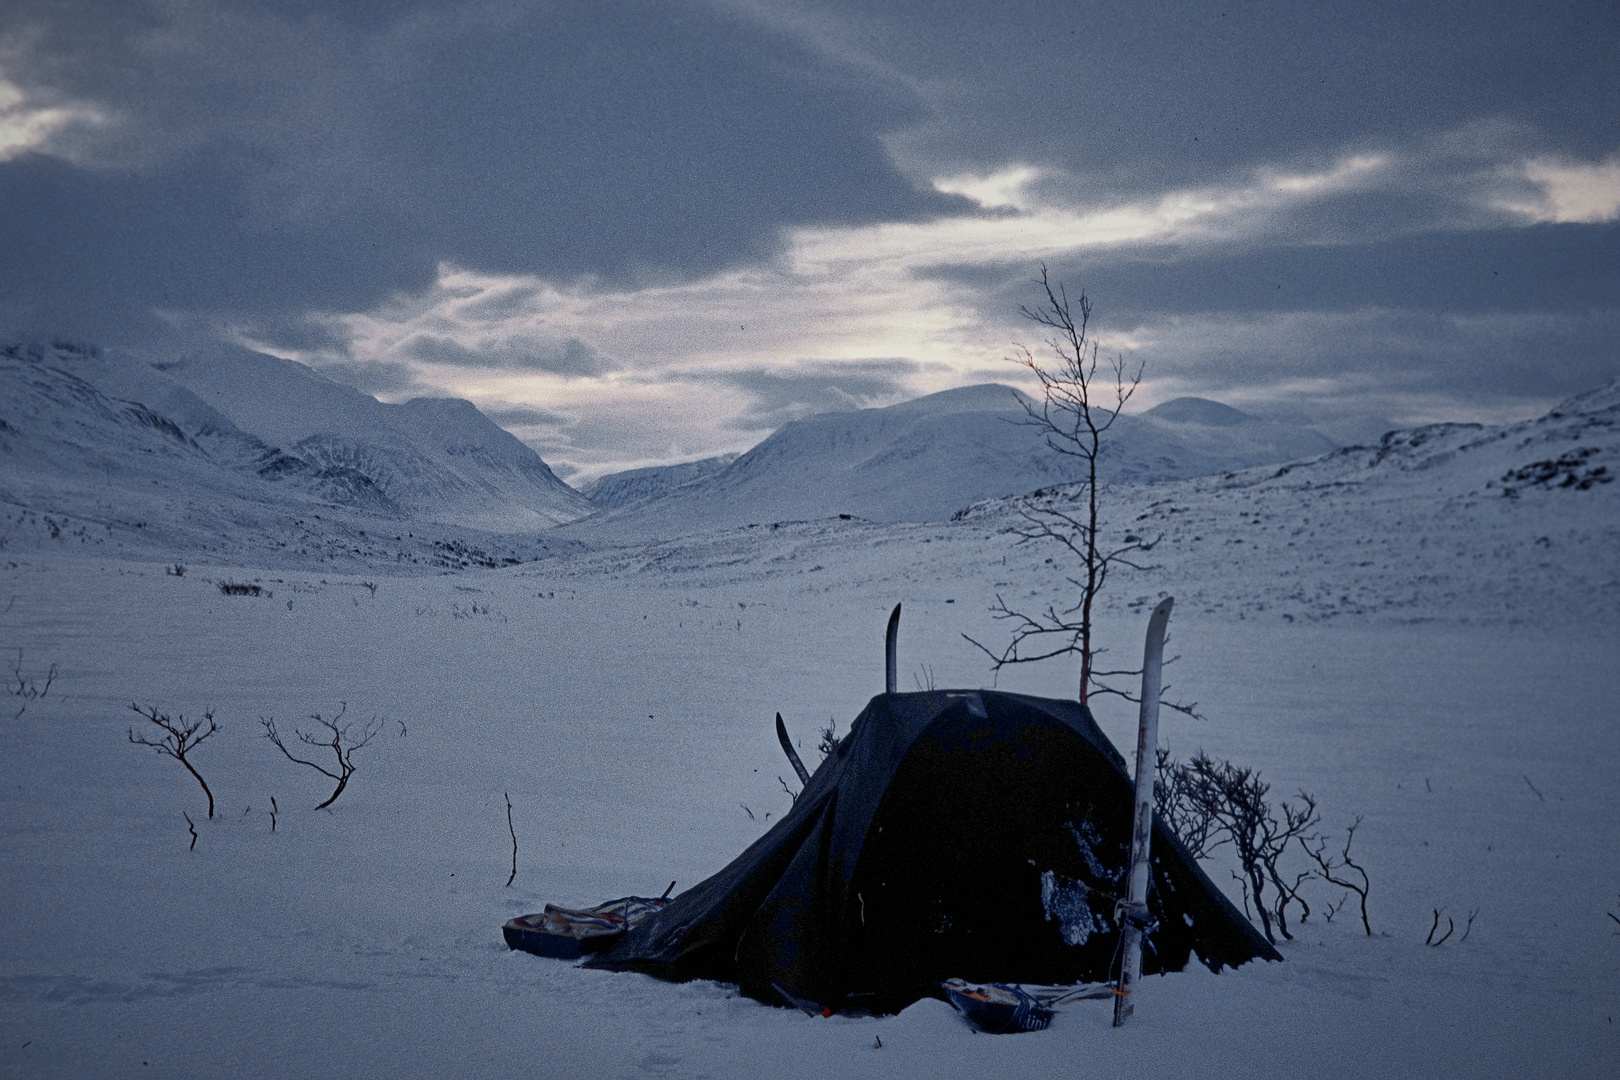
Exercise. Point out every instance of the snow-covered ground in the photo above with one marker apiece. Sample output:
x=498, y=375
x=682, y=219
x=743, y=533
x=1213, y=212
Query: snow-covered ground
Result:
x=1382, y=627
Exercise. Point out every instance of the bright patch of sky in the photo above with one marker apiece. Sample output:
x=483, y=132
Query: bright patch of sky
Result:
x=29, y=126
x=1571, y=191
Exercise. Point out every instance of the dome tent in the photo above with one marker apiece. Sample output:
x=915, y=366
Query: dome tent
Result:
x=966, y=833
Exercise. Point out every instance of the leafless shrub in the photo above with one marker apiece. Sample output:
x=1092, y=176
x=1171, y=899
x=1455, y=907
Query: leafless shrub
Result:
x=238, y=588
x=21, y=686
x=829, y=737
x=342, y=739
x=1336, y=869
x=1219, y=803
x=1177, y=805
x=178, y=740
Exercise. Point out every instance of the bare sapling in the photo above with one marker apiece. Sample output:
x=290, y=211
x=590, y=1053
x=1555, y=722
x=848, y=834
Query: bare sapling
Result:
x=180, y=737
x=1336, y=869
x=1078, y=406
x=334, y=735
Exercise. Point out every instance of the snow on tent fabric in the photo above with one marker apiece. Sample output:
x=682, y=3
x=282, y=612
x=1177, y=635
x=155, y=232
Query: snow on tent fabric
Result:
x=971, y=834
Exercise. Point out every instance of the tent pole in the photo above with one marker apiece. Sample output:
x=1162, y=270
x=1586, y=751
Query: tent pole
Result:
x=1133, y=913
x=891, y=661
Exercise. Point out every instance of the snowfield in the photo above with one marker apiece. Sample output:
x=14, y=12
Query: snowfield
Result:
x=1388, y=628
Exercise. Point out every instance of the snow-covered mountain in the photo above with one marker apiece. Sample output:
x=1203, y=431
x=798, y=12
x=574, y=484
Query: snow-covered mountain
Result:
x=922, y=460
x=431, y=459
x=634, y=485
x=245, y=426
x=1509, y=523
x=1492, y=525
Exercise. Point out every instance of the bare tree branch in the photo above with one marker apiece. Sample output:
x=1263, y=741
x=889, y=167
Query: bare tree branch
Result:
x=1330, y=867
x=1451, y=925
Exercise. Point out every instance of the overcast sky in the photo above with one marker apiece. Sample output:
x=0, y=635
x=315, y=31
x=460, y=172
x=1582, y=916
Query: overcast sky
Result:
x=644, y=232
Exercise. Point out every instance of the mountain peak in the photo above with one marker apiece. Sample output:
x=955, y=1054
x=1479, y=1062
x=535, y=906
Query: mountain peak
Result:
x=981, y=397
x=1197, y=410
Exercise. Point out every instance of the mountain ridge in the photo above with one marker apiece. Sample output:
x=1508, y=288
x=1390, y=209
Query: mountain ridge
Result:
x=926, y=458
x=276, y=421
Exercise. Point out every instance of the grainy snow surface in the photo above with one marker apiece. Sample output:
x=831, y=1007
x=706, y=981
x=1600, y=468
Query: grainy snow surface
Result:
x=1383, y=627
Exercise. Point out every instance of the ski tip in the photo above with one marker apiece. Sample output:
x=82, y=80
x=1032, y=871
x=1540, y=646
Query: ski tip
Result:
x=1160, y=619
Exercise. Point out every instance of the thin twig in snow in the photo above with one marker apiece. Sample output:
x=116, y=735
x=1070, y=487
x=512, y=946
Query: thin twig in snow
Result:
x=513, y=831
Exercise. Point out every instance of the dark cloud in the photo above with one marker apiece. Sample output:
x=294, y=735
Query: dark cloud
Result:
x=1395, y=360
x=1546, y=268
x=264, y=160
x=570, y=357
x=1485, y=316
x=1124, y=93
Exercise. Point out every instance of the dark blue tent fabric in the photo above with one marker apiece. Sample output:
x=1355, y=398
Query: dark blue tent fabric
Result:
x=973, y=834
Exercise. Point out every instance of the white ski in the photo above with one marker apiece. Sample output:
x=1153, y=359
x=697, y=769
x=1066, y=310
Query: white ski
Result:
x=1133, y=913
